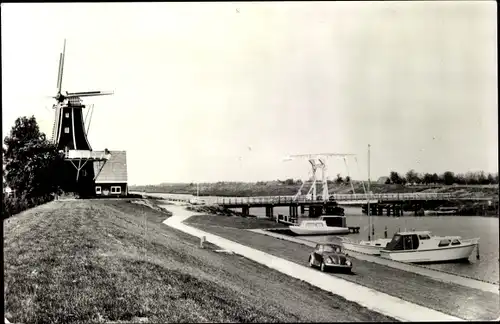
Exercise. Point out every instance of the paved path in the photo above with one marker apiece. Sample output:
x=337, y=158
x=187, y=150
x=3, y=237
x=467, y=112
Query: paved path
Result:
x=431, y=273
x=370, y=298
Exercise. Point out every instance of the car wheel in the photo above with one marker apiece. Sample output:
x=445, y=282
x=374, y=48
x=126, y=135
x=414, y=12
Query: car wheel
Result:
x=323, y=267
x=311, y=263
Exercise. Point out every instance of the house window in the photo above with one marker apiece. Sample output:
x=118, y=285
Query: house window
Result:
x=98, y=190
x=66, y=115
x=66, y=130
x=116, y=189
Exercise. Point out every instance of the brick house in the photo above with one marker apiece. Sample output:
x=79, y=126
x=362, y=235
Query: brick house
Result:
x=111, y=177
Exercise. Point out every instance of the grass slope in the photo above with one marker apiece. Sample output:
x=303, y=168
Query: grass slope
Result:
x=110, y=260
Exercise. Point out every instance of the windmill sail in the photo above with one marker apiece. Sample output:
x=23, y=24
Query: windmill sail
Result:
x=88, y=94
x=61, y=69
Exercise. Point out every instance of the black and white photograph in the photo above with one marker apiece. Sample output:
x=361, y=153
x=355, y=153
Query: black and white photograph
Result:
x=253, y=161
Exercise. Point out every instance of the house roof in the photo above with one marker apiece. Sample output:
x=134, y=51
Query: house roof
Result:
x=382, y=179
x=113, y=170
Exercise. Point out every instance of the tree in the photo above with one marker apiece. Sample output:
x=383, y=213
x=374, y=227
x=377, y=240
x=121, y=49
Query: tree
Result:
x=460, y=179
x=32, y=163
x=448, y=178
x=412, y=177
x=395, y=178
x=481, y=177
x=491, y=179
x=427, y=178
x=339, y=179
x=348, y=179
x=435, y=178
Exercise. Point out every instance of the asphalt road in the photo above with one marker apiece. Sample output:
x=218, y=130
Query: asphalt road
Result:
x=462, y=302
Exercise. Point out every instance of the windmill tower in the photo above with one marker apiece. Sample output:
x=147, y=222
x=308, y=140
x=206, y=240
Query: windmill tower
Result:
x=70, y=136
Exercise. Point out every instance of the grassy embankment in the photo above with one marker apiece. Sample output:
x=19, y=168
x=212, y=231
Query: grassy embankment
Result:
x=275, y=188
x=111, y=260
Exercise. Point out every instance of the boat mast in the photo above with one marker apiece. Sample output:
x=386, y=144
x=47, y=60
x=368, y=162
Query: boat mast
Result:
x=368, y=198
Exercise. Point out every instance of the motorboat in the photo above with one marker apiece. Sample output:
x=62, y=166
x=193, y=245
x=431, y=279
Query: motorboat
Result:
x=372, y=247
x=442, y=211
x=317, y=227
x=423, y=247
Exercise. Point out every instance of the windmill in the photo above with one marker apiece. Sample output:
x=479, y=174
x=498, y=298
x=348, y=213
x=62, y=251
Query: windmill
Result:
x=69, y=133
x=317, y=161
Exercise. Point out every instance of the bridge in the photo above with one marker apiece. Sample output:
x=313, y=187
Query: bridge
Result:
x=393, y=203
x=235, y=202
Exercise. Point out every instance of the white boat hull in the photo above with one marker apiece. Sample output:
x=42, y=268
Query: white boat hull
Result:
x=451, y=253
x=319, y=231
x=366, y=247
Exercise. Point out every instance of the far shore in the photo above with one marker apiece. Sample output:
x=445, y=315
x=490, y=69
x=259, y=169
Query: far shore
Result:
x=276, y=188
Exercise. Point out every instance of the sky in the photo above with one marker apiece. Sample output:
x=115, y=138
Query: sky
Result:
x=222, y=91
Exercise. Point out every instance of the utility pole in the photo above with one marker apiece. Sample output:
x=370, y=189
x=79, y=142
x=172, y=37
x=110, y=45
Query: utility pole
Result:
x=368, y=205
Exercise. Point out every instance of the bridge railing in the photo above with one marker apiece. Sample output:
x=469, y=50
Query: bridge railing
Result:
x=336, y=197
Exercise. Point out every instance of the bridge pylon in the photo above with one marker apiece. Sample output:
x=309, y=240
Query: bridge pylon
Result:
x=317, y=161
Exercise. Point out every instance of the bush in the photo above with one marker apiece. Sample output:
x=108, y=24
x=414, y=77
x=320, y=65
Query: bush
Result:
x=14, y=205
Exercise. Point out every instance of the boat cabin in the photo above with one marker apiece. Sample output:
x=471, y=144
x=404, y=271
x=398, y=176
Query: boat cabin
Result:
x=334, y=221
x=449, y=241
x=313, y=224
x=412, y=240
x=404, y=241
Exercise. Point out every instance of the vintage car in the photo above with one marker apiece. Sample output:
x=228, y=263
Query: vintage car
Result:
x=330, y=256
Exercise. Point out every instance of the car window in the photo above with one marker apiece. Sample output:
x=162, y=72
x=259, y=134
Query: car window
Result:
x=329, y=248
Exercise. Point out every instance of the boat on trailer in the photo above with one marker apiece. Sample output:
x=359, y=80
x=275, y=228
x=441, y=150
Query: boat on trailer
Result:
x=372, y=247
x=423, y=247
x=317, y=227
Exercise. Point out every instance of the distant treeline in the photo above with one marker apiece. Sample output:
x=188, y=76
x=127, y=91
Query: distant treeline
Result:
x=411, y=177
x=446, y=178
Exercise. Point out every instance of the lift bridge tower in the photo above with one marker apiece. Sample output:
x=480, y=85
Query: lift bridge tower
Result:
x=71, y=136
x=317, y=161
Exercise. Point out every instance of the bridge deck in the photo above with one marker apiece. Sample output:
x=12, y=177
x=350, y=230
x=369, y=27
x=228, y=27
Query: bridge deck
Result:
x=340, y=198
x=387, y=197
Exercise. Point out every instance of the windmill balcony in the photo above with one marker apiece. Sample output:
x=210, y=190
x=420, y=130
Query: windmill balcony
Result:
x=85, y=154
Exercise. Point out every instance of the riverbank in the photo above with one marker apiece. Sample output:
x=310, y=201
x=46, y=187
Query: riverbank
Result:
x=112, y=260
x=463, y=302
